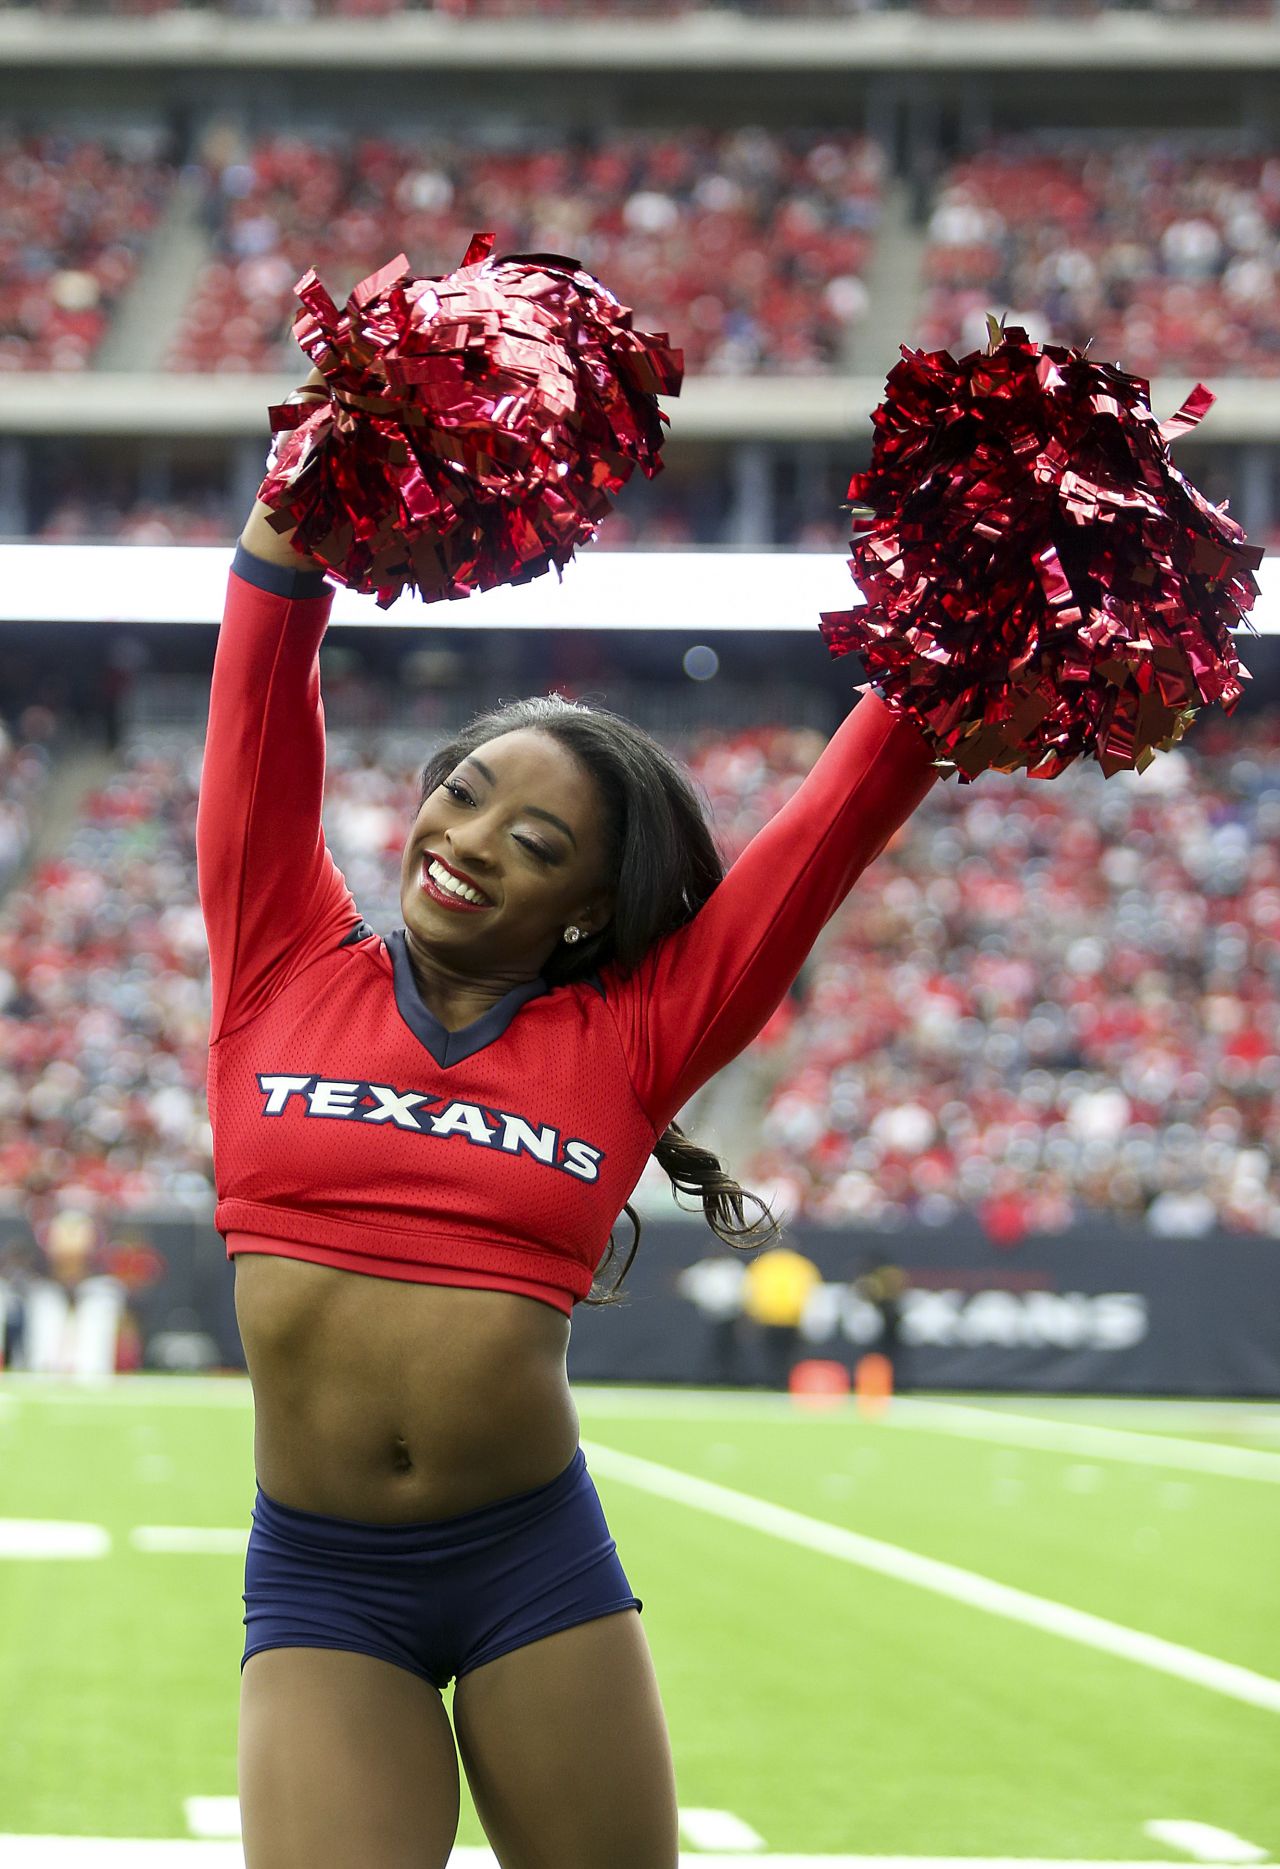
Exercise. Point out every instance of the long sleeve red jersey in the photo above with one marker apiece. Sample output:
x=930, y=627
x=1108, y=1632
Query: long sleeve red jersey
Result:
x=350, y=1127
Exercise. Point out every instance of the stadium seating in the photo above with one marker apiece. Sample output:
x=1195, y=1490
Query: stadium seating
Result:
x=103, y=971
x=1166, y=254
x=1054, y=1001
x=80, y=517
x=75, y=214
x=665, y=522
x=752, y=244
x=1057, y=999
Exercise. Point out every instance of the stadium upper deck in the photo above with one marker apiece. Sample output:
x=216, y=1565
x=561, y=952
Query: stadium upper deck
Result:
x=788, y=339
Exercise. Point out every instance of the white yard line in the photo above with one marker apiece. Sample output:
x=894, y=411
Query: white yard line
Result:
x=191, y=1540
x=1201, y=1413
x=1205, y=1842
x=1077, y=1437
x=984, y=1420
x=949, y=1580
x=719, y=1830
x=213, y=1817
x=52, y=1538
x=17, y=1852
x=972, y=1421
x=700, y=1829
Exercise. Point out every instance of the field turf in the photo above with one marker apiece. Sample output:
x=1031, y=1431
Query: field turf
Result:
x=830, y=1706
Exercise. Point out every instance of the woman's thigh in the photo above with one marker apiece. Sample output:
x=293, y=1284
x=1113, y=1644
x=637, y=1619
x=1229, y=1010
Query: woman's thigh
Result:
x=566, y=1751
x=345, y=1762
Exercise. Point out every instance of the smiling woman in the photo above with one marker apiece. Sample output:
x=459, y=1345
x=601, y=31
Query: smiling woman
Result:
x=422, y=1143
x=624, y=858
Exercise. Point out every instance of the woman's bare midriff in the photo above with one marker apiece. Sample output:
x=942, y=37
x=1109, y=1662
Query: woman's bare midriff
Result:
x=392, y=1402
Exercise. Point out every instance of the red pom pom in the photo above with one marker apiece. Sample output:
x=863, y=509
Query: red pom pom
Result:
x=477, y=424
x=1040, y=580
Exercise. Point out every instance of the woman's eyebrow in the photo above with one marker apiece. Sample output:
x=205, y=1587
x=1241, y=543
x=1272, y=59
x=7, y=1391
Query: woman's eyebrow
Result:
x=533, y=810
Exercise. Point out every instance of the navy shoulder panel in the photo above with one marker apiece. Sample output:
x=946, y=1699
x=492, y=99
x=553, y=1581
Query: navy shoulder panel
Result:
x=361, y=932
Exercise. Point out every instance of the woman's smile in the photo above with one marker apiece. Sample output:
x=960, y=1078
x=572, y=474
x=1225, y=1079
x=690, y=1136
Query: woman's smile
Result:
x=450, y=887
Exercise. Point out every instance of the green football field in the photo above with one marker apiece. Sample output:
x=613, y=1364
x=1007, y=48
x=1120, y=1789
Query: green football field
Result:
x=1020, y=1629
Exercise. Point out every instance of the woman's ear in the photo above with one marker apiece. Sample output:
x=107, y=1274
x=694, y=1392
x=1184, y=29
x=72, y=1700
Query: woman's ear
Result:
x=596, y=914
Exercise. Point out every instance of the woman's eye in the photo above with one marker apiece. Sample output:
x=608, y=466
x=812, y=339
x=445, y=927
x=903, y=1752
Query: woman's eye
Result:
x=460, y=791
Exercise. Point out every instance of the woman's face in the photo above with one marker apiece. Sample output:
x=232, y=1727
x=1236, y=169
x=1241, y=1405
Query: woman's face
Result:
x=505, y=854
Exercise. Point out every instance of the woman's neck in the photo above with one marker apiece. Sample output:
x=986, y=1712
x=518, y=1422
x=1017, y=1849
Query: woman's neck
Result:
x=457, y=999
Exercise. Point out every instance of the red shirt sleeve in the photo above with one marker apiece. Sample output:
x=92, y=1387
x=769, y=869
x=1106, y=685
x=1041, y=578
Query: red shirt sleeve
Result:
x=704, y=992
x=273, y=899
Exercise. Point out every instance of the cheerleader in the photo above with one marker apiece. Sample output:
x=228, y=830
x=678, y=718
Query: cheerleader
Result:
x=422, y=1141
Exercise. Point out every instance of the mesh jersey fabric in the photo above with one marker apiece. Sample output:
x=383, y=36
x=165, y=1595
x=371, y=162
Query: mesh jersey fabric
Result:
x=349, y=1126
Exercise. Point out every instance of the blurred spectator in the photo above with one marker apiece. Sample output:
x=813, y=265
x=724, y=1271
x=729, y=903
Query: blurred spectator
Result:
x=19, y=1270
x=717, y=1288
x=776, y=1289
x=24, y=773
x=73, y=1311
x=881, y=1285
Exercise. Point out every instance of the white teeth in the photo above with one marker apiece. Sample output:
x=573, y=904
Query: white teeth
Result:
x=443, y=879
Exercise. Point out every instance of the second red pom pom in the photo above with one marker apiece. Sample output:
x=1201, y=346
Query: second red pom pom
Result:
x=1041, y=582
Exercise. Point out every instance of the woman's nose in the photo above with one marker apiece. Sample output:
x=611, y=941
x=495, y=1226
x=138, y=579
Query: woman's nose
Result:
x=472, y=842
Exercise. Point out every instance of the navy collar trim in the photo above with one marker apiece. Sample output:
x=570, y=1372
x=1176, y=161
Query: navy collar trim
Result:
x=446, y=1047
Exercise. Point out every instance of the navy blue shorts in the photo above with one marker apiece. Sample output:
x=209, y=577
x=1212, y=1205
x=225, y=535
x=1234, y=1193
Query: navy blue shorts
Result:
x=439, y=1598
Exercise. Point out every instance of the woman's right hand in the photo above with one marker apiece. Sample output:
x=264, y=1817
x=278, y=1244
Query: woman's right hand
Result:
x=259, y=536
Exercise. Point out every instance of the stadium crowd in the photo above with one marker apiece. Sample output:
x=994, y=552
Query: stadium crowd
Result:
x=751, y=243
x=1165, y=254
x=104, y=1002
x=1053, y=1000
x=751, y=246
x=76, y=212
x=1045, y=1001
x=84, y=515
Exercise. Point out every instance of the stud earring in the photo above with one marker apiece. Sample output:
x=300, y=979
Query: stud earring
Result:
x=573, y=934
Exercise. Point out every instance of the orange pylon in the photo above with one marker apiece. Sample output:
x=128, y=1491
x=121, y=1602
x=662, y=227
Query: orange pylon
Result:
x=873, y=1383
x=818, y=1384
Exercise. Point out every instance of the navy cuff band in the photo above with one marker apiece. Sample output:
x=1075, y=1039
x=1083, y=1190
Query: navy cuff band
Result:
x=278, y=579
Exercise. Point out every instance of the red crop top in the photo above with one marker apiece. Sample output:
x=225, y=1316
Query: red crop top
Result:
x=350, y=1127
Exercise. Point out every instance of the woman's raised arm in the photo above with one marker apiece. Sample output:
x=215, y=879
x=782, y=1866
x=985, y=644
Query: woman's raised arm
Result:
x=704, y=992
x=272, y=897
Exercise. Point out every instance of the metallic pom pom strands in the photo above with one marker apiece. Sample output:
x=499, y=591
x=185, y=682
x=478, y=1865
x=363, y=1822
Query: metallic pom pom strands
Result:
x=477, y=425
x=1041, y=582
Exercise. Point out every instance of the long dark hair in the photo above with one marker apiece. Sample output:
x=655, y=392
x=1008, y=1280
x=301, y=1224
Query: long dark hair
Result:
x=662, y=866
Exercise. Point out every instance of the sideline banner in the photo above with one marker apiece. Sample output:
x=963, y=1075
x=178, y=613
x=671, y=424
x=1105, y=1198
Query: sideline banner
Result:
x=1103, y=1308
